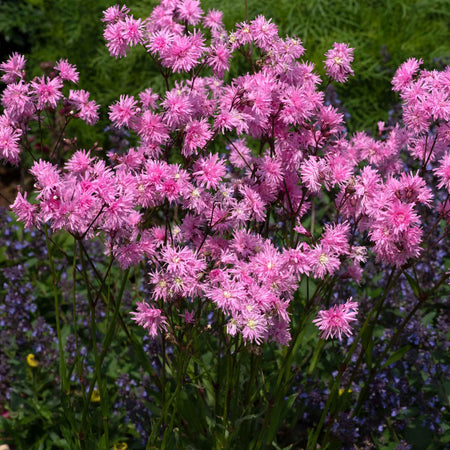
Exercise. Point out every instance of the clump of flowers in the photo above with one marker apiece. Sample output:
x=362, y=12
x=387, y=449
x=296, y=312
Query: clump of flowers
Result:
x=237, y=190
x=224, y=196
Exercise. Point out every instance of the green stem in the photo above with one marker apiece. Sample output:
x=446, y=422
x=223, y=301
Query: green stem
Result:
x=98, y=371
x=334, y=390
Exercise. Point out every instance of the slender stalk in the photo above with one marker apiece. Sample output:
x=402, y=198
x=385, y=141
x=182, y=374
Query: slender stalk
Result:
x=312, y=443
x=98, y=371
x=62, y=366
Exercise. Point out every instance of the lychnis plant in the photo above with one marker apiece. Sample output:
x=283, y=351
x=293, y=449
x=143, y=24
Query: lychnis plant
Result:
x=250, y=211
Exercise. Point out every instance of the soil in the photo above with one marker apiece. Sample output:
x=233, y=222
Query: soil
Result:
x=9, y=180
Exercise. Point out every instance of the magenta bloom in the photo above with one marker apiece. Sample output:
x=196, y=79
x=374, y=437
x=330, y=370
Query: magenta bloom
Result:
x=338, y=62
x=13, y=68
x=336, y=320
x=443, y=172
x=123, y=111
x=47, y=92
x=67, y=71
x=149, y=318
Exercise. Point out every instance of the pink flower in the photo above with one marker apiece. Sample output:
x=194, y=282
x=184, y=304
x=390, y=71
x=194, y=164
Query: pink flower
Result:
x=322, y=262
x=209, y=171
x=335, y=238
x=47, y=176
x=263, y=31
x=160, y=41
x=228, y=296
x=213, y=20
x=271, y=171
x=87, y=109
x=122, y=34
x=298, y=105
x=254, y=326
x=47, y=92
x=79, y=162
x=13, y=68
x=151, y=128
x=9, y=144
x=313, y=172
x=219, y=59
x=123, y=111
x=336, y=320
x=17, y=100
x=67, y=71
x=178, y=109
x=190, y=11
x=184, y=52
x=132, y=31
x=113, y=14
x=25, y=211
x=400, y=216
x=404, y=74
x=253, y=201
x=198, y=134
x=338, y=62
x=443, y=172
x=150, y=318
x=188, y=316
x=148, y=98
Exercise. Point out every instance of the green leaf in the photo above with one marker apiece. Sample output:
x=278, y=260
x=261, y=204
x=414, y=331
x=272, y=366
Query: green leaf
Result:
x=414, y=285
x=396, y=356
x=369, y=353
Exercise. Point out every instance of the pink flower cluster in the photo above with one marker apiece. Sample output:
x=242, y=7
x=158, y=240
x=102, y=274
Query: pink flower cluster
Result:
x=122, y=30
x=225, y=225
x=24, y=102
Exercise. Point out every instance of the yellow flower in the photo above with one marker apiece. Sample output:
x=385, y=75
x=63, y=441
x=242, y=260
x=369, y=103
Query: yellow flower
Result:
x=31, y=360
x=342, y=391
x=120, y=446
x=95, y=397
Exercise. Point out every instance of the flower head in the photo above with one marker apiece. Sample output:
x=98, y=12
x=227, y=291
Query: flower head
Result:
x=149, y=318
x=13, y=68
x=67, y=71
x=95, y=396
x=338, y=62
x=32, y=361
x=336, y=320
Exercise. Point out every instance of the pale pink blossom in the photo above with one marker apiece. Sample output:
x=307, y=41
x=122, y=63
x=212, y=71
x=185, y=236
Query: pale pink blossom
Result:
x=337, y=64
x=25, y=211
x=209, y=171
x=190, y=11
x=67, y=71
x=404, y=74
x=150, y=318
x=13, y=68
x=443, y=172
x=336, y=321
x=123, y=111
x=46, y=91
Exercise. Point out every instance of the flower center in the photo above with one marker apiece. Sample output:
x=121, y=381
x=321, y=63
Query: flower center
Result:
x=323, y=259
